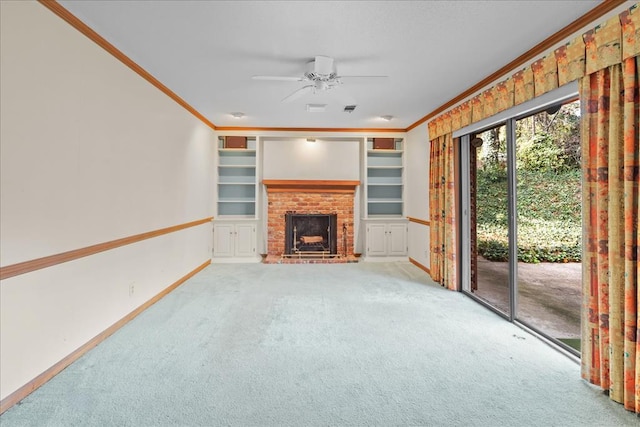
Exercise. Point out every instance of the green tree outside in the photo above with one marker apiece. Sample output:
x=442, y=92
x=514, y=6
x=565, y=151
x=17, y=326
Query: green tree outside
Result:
x=548, y=189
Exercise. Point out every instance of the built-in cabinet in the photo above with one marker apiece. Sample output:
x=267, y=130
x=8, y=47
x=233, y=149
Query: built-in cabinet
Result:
x=234, y=240
x=384, y=180
x=240, y=200
x=386, y=238
x=235, y=224
x=237, y=180
x=385, y=227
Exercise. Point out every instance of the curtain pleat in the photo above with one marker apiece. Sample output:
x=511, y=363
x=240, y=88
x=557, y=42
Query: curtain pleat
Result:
x=571, y=61
x=631, y=164
x=477, y=109
x=603, y=45
x=610, y=219
x=436, y=168
x=465, y=115
x=504, y=97
x=630, y=21
x=442, y=212
x=545, y=75
x=523, y=89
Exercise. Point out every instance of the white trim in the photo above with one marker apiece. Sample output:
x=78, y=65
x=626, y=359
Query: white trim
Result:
x=557, y=95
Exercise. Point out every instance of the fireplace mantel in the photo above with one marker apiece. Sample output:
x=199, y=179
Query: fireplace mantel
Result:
x=309, y=185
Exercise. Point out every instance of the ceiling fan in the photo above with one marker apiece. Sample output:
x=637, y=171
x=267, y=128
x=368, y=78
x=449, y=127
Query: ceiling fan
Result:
x=321, y=75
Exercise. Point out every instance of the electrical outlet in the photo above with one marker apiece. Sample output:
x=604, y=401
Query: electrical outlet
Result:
x=131, y=289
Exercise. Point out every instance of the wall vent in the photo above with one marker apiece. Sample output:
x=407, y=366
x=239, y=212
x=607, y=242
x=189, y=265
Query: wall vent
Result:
x=349, y=108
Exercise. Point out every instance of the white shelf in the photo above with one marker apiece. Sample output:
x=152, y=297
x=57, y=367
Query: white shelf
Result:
x=245, y=210
x=384, y=200
x=236, y=151
x=237, y=181
x=236, y=200
x=384, y=181
x=385, y=152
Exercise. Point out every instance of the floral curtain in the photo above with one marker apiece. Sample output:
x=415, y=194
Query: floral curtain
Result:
x=442, y=212
x=611, y=163
x=605, y=61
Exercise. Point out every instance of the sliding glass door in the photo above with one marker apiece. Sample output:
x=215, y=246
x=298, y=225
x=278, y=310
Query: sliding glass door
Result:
x=549, y=222
x=521, y=197
x=489, y=195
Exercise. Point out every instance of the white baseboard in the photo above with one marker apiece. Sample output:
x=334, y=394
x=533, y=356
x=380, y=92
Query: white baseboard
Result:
x=384, y=258
x=235, y=260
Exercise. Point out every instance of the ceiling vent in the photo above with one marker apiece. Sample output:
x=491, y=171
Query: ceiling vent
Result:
x=349, y=108
x=316, y=108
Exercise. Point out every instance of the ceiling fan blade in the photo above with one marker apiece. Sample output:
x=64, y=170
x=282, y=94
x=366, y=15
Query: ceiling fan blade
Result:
x=279, y=78
x=298, y=93
x=323, y=65
x=363, y=77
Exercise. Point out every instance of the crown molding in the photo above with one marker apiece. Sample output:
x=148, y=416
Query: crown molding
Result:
x=595, y=13
x=76, y=23
x=287, y=129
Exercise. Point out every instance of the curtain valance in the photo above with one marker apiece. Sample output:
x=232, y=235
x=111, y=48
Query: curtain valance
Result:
x=607, y=44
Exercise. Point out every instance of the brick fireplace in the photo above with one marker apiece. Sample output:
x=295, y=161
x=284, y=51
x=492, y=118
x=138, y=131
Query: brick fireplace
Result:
x=309, y=197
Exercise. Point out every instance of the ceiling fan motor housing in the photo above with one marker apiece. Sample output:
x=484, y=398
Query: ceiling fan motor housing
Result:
x=322, y=68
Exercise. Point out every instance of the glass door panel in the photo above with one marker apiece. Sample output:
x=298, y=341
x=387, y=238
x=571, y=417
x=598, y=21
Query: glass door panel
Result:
x=489, y=218
x=549, y=229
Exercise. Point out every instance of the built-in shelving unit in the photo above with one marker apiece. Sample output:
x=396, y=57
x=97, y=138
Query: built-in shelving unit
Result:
x=237, y=180
x=385, y=180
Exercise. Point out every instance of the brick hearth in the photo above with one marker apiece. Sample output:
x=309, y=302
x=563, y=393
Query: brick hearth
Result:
x=309, y=197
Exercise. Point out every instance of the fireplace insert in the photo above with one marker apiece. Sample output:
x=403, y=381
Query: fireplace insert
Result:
x=310, y=234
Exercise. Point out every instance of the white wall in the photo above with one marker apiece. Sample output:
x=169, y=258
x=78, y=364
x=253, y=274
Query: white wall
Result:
x=417, y=200
x=297, y=158
x=90, y=152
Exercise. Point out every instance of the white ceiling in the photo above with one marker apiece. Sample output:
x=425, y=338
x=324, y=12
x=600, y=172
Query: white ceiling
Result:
x=207, y=51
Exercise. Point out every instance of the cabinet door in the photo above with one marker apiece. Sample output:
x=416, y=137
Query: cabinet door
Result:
x=397, y=240
x=223, y=238
x=376, y=239
x=245, y=240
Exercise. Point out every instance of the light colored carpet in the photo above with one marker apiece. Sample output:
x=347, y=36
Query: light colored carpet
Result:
x=318, y=345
